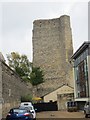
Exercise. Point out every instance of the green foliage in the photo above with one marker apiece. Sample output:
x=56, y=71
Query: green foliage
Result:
x=36, y=76
x=26, y=98
x=20, y=64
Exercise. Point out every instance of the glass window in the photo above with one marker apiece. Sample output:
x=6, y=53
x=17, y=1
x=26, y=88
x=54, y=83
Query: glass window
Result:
x=86, y=52
x=81, y=76
x=81, y=57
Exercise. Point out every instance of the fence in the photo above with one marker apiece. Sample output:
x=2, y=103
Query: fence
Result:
x=46, y=106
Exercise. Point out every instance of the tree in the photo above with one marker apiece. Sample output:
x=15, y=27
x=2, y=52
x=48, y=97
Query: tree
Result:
x=36, y=76
x=26, y=98
x=20, y=64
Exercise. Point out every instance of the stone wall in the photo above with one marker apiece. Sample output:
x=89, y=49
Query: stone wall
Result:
x=12, y=88
x=52, y=49
x=62, y=100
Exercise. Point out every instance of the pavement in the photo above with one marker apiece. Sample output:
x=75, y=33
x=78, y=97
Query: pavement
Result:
x=60, y=114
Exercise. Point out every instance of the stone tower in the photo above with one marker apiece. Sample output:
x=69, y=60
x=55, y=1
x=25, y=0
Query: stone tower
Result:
x=52, y=49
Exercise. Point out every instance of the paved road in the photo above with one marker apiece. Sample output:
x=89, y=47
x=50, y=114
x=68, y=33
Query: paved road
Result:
x=60, y=114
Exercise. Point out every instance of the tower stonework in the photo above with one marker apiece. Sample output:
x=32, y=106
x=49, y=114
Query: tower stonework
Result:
x=52, y=49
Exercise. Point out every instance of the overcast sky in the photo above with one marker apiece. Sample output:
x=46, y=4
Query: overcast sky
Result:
x=16, y=22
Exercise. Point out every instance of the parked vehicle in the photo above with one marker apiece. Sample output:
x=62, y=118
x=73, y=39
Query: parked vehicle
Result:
x=87, y=109
x=19, y=114
x=72, y=106
x=28, y=106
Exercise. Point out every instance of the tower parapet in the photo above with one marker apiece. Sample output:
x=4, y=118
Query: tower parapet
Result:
x=2, y=57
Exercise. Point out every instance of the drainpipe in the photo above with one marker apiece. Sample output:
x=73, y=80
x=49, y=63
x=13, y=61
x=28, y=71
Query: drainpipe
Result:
x=88, y=63
x=1, y=90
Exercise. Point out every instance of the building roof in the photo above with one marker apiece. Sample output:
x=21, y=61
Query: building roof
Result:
x=58, y=88
x=81, y=49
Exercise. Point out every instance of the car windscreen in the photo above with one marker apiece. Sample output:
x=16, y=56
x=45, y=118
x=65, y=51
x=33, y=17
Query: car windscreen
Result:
x=26, y=108
x=26, y=104
x=18, y=111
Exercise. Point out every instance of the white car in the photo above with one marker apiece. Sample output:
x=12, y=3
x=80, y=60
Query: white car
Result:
x=29, y=106
x=87, y=109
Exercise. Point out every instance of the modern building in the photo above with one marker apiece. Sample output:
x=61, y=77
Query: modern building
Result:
x=81, y=60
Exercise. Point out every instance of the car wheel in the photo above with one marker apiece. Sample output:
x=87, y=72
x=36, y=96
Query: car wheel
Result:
x=84, y=112
x=34, y=119
x=86, y=115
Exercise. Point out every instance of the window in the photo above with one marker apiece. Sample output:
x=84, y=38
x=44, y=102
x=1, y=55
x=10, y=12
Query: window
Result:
x=81, y=76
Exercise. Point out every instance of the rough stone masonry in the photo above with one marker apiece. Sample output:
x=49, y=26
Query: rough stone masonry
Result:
x=52, y=49
x=12, y=87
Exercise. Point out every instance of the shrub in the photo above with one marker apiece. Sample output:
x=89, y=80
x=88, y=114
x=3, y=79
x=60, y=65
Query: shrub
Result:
x=26, y=98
